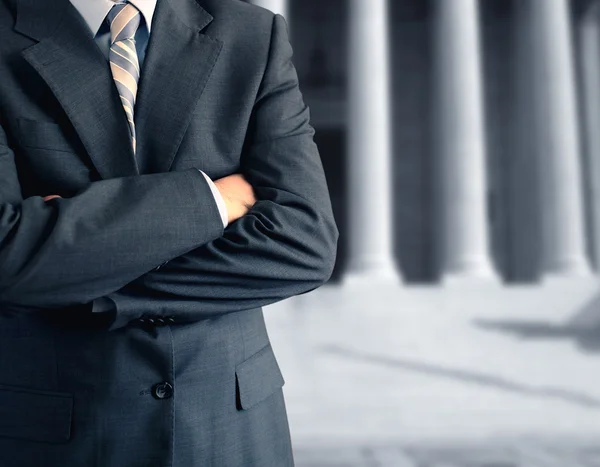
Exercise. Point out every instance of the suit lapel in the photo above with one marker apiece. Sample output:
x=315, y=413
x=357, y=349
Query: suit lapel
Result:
x=179, y=60
x=76, y=71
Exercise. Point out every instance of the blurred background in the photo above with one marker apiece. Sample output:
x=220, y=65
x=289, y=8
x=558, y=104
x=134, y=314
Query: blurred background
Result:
x=461, y=326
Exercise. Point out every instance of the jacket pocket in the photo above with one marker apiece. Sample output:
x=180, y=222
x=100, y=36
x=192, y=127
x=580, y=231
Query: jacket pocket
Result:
x=39, y=134
x=35, y=415
x=257, y=377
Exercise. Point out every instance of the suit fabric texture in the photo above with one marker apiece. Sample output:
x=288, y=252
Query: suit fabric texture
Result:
x=181, y=372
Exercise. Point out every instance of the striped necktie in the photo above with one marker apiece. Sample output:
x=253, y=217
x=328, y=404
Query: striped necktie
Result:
x=124, y=20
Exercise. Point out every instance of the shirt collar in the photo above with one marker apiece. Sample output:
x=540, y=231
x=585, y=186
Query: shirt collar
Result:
x=94, y=11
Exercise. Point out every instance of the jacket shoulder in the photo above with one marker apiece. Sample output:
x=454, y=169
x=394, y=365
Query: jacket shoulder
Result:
x=246, y=29
x=238, y=15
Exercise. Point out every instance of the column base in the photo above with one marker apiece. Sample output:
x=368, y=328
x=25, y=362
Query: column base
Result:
x=479, y=270
x=567, y=268
x=372, y=271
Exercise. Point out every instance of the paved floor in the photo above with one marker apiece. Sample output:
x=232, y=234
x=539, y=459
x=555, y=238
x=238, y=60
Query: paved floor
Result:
x=516, y=454
x=463, y=376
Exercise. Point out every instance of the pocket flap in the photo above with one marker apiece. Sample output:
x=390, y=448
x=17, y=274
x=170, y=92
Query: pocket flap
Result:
x=35, y=415
x=257, y=378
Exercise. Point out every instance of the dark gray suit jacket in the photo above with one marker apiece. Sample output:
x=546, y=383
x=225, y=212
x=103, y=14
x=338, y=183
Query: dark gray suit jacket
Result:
x=182, y=373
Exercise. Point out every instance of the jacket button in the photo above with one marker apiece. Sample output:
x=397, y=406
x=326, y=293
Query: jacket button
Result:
x=162, y=390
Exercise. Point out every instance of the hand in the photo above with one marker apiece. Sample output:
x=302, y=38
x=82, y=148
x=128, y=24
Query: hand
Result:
x=238, y=195
x=49, y=197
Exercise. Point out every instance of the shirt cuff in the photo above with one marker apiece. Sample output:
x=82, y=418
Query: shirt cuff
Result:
x=219, y=199
x=102, y=304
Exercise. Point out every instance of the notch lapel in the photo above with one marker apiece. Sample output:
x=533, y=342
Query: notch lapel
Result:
x=78, y=74
x=179, y=60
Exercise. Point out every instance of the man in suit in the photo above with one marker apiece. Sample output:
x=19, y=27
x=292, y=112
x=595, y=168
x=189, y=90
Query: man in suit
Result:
x=159, y=185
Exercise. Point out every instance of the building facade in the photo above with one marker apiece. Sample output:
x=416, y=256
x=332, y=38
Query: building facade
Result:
x=460, y=137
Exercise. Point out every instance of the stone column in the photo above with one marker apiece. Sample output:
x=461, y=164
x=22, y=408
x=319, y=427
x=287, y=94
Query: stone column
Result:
x=551, y=68
x=589, y=60
x=459, y=139
x=276, y=6
x=371, y=257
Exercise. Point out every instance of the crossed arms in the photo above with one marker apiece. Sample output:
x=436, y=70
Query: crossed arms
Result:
x=103, y=241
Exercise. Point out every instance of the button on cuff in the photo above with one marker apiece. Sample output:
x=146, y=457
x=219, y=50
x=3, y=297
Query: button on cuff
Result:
x=154, y=320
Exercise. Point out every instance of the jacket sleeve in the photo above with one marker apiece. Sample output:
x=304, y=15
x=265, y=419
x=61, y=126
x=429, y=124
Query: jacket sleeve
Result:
x=69, y=251
x=285, y=245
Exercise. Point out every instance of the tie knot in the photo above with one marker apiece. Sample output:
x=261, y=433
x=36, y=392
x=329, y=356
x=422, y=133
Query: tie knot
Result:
x=124, y=20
